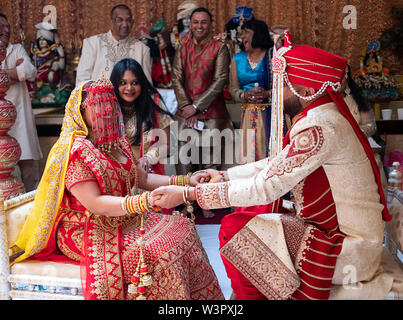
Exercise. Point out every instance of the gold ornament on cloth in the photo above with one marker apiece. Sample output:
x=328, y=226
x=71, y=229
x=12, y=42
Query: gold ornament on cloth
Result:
x=189, y=206
x=141, y=278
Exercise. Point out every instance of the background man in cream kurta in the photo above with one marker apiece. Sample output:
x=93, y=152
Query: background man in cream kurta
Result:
x=102, y=51
x=19, y=68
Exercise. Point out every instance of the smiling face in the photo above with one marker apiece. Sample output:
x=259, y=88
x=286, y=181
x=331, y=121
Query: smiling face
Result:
x=247, y=37
x=122, y=23
x=200, y=25
x=129, y=88
x=5, y=30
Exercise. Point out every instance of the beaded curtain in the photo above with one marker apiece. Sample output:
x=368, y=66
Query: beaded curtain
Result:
x=313, y=22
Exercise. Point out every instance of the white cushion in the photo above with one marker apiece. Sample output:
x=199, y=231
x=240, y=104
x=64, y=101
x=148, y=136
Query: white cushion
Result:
x=46, y=268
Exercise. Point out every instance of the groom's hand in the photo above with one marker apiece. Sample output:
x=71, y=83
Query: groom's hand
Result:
x=168, y=196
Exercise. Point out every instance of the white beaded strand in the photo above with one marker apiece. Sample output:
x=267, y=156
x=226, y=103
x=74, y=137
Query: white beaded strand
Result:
x=335, y=86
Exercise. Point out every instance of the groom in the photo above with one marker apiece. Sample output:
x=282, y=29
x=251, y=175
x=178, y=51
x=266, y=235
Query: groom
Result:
x=329, y=167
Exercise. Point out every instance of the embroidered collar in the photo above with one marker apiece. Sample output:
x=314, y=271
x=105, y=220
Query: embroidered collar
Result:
x=116, y=49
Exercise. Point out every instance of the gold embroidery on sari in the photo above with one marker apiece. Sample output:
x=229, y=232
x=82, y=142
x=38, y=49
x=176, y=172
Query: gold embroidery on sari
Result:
x=77, y=172
x=70, y=220
x=106, y=267
x=77, y=237
x=175, y=257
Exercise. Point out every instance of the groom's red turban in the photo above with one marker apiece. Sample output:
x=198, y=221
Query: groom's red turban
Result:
x=312, y=67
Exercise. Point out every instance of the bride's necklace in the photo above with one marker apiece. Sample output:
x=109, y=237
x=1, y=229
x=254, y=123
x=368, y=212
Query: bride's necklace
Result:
x=125, y=174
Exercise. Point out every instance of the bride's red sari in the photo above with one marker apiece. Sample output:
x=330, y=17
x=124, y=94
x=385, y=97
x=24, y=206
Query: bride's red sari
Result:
x=106, y=247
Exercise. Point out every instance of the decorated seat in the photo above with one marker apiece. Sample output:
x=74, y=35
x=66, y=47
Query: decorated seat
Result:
x=31, y=279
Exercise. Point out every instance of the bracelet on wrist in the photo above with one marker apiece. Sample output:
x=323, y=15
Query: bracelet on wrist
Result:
x=124, y=204
x=185, y=196
x=137, y=204
x=180, y=180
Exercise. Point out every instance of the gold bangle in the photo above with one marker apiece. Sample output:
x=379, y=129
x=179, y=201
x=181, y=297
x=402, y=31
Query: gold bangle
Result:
x=185, y=196
x=178, y=180
x=142, y=203
x=137, y=204
x=131, y=205
x=124, y=204
x=146, y=202
x=188, y=178
x=149, y=207
x=185, y=201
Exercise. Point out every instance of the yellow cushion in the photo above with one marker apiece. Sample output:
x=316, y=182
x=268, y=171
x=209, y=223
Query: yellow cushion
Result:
x=395, y=227
x=15, y=221
x=46, y=268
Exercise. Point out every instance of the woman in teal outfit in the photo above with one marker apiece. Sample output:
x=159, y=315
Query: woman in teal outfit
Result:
x=250, y=85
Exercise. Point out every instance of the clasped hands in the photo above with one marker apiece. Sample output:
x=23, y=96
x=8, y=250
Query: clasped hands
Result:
x=191, y=115
x=256, y=95
x=171, y=196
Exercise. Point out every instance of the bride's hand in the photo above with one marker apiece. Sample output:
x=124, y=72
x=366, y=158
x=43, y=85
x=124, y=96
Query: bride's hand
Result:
x=167, y=197
x=207, y=175
x=201, y=176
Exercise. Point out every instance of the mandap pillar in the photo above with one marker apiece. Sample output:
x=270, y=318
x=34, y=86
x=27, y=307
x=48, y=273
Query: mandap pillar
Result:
x=10, y=151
